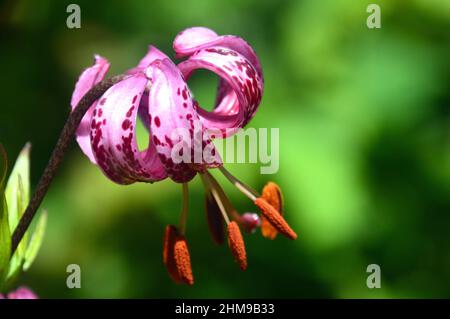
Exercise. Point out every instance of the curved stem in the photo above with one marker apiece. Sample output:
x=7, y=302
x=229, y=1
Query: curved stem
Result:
x=66, y=136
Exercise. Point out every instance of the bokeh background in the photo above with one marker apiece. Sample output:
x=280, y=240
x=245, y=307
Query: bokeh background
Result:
x=364, y=148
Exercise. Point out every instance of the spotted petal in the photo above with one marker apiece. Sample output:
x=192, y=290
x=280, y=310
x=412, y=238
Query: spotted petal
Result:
x=241, y=84
x=193, y=39
x=113, y=135
x=152, y=54
x=86, y=81
x=174, y=123
x=240, y=92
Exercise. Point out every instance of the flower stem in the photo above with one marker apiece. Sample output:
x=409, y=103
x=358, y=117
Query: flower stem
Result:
x=66, y=136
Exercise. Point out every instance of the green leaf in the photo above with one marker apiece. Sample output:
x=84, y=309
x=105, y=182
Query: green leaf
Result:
x=5, y=234
x=9, y=281
x=17, y=260
x=36, y=241
x=19, y=173
x=17, y=195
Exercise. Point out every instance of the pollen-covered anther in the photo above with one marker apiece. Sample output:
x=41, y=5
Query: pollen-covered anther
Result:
x=275, y=218
x=272, y=194
x=183, y=260
x=237, y=245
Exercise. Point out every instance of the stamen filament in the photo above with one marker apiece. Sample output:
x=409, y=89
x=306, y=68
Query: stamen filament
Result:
x=218, y=194
x=236, y=216
x=243, y=188
x=185, y=209
x=229, y=207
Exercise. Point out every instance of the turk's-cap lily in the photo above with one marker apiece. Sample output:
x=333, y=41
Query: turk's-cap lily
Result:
x=156, y=90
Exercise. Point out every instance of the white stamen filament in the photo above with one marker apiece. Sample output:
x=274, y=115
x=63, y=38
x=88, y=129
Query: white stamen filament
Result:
x=218, y=194
x=243, y=188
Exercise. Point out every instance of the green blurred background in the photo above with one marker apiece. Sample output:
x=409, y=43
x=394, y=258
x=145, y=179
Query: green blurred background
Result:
x=365, y=157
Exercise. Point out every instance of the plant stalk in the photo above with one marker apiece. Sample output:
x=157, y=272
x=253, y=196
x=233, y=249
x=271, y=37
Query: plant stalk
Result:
x=66, y=136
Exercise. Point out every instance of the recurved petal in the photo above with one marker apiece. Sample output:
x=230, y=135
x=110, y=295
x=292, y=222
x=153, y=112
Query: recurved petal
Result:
x=240, y=90
x=113, y=135
x=193, y=39
x=189, y=40
x=175, y=125
x=86, y=81
x=152, y=54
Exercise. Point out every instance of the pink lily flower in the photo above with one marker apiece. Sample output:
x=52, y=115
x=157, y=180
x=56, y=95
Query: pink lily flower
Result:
x=110, y=122
x=20, y=293
x=157, y=91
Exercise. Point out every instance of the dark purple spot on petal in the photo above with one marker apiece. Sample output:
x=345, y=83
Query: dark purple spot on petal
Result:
x=168, y=140
x=157, y=121
x=130, y=111
x=126, y=124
